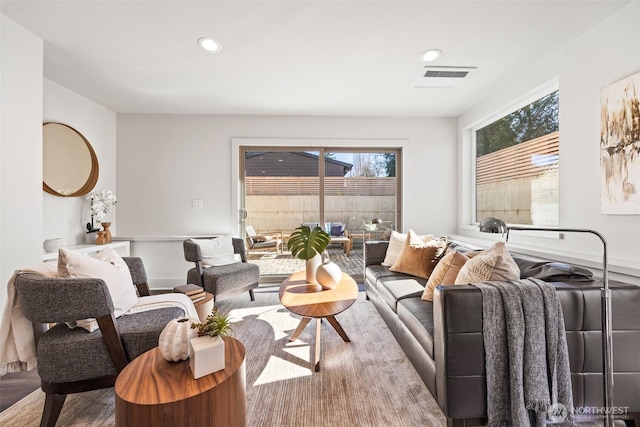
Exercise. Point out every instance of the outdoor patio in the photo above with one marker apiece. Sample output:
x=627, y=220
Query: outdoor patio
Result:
x=275, y=268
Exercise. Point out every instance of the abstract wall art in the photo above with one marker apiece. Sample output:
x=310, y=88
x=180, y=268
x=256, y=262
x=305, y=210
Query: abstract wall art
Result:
x=620, y=147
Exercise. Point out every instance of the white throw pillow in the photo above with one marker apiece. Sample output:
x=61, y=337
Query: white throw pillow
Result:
x=217, y=251
x=106, y=265
x=396, y=243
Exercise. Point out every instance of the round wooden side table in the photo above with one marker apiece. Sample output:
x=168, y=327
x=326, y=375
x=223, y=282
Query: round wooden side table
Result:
x=155, y=392
x=313, y=302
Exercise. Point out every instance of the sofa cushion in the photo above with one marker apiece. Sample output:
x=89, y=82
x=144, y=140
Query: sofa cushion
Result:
x=445, y=273
x=417, y=316
x=419, y=256
x=397, y=287
x=495, y=263
x=84, y=354
x=375, y=272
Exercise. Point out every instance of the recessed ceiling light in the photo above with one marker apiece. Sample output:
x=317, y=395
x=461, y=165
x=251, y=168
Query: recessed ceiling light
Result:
x=210, y=45
x=430, y=55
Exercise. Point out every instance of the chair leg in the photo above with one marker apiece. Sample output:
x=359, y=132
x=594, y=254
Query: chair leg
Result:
x=52, y=407
x=253, y=298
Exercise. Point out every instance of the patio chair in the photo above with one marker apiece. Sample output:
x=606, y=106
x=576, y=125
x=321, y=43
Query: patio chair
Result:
x=257, y=241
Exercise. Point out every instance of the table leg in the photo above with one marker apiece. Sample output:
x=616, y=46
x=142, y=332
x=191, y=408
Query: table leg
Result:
x=303, y=324
x=334, y=322
x=317, y=357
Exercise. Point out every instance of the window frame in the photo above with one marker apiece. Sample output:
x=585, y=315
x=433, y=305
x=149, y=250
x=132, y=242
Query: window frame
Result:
x=470, y=136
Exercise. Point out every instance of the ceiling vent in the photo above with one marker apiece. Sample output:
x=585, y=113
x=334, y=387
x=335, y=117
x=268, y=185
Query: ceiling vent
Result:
x=441, y=77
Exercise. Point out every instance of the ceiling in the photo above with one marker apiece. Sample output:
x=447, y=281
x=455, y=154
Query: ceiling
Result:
x=337, y=58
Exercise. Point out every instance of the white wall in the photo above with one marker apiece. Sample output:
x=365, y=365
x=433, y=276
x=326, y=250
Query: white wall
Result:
x=603, y=56
x=67, y=217
x=20, y=150
x=165, y=161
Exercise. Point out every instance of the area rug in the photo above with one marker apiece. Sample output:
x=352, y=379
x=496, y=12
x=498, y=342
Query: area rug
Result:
x=367, y=382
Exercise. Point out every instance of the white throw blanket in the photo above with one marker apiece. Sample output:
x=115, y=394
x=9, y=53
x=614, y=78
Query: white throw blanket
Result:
x=18, y=347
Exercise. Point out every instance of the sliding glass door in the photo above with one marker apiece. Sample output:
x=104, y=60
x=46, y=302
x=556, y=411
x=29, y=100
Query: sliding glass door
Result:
x=347, y=191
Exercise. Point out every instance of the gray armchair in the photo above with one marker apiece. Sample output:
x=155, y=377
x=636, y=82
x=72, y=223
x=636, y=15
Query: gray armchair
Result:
x=224, y=280
x=75, y=360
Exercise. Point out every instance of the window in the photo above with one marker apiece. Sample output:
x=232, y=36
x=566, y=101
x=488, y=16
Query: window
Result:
x=516, y=160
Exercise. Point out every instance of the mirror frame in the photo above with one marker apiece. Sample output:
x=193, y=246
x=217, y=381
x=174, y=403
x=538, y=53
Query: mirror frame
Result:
x=92, y=179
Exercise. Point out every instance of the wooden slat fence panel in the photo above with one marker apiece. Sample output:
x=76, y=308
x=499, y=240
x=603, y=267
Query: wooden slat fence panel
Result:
x=334, y=186
x=516, y=161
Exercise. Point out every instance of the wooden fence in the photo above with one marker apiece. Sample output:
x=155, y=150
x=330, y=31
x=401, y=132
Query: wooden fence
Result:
x=519, y=184
x=333, y=186
x=283, y=203
x=531, y=158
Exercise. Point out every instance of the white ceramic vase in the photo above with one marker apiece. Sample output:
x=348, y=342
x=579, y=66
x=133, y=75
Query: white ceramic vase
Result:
x=52, y=245
x=310, y=268
x=207, y=355
x=328, y=274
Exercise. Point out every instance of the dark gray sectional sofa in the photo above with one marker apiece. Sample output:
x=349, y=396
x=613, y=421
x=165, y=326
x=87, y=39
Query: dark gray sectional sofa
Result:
x=444, y=338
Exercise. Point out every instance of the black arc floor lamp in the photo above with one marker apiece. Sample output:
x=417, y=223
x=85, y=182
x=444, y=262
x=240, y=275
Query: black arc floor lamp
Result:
x=496, y=225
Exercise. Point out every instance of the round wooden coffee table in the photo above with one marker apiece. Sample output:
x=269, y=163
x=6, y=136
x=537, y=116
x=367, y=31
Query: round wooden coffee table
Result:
x=153, y=391
x=311, y=301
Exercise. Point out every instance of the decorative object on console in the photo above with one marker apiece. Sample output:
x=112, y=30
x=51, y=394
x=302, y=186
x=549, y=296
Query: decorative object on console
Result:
x=307, y=244
x=107, y=231
x=101, y=237
x=619, y=145
x=101, y=204
x=52, y=245
x=207, y=350
x=328, y=274
x=495, y=225
x=174, y=339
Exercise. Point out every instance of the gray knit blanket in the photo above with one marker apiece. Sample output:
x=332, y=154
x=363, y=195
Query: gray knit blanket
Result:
x=526, y=357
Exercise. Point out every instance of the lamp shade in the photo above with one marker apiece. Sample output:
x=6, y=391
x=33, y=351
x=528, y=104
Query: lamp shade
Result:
x=492, y=225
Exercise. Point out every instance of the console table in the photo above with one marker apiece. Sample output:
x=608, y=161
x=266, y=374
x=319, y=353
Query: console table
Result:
x=153, y=391
x=121, y=247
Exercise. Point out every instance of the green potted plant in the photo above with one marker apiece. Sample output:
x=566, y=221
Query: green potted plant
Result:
x=207, y=349
x=216, y=324
x=307, y=244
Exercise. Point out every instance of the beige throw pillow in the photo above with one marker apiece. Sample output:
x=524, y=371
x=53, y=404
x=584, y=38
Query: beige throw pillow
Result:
x=445, y=273
x=419, y=256
x=106, y=265
x=396, y=245
x=494, y=263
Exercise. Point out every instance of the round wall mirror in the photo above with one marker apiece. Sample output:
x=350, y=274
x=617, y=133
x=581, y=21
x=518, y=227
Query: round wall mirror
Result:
x=70, y=166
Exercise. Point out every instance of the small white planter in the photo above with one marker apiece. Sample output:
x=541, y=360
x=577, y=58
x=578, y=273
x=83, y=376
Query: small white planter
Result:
x=207, y=356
